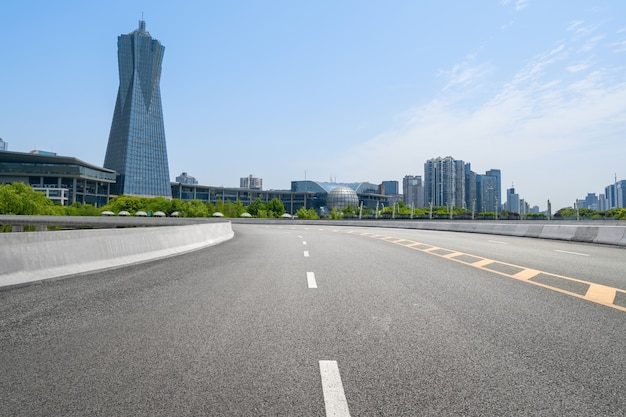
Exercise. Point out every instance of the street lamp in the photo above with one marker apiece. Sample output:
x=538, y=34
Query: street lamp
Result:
x=496, y=208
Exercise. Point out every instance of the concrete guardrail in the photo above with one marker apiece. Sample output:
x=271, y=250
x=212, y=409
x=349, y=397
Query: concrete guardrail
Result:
x=27, y=257
x=606, y=233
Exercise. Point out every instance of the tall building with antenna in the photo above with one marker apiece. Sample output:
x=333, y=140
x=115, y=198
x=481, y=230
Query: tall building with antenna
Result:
x=136, y=147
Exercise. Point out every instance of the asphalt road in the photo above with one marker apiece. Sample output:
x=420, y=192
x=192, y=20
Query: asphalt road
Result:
x=306, y=321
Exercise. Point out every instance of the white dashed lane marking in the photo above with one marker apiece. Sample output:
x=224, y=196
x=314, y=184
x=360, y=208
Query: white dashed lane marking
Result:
x=334, y=396
x=571, y=253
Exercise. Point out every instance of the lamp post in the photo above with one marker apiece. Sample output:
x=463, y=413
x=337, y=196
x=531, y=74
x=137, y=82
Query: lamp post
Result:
x=473, y=207
x=549, y=210
x=496, y=208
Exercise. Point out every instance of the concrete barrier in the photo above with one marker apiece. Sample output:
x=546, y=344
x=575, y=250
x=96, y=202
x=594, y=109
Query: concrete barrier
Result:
x=607, y=233
x=37, y=256
x=611, y=236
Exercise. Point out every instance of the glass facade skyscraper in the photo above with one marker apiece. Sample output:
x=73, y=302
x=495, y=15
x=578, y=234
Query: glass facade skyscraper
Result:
x=136, y=148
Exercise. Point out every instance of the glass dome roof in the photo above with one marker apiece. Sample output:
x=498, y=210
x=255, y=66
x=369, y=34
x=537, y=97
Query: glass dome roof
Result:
x=341, y=197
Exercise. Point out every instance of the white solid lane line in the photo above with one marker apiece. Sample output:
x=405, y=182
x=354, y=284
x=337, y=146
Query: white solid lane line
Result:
x=306, y=253
x=310, y=278
x=498, y=242
x=334, y=397
x=304, y=242
x=571, y=253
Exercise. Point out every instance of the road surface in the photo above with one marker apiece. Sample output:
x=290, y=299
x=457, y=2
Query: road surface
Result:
x=289, y=320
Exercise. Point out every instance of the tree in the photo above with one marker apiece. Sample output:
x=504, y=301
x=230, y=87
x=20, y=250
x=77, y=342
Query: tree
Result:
x=20, y=199
x=79, y=209
x=233, y=209
x=125, y=203
x=196, y=208
x=255, y=207
x=177, y=205
x=336, y=214
x=309, y=214
x=275, y=208
x=152, y=205
x=349, y=211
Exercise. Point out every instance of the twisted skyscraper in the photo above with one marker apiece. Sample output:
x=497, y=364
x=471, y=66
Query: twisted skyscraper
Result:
x=136, y=148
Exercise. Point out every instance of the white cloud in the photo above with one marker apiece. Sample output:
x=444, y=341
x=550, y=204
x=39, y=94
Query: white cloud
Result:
x=574, y=24
x=535, y=68
x=582, y=30
x=578, y=67
x=466, y=75
x=619, y=47
x=521, y=4
x=590, y=44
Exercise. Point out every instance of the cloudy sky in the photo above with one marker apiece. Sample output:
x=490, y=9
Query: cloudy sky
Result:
x=350, y=90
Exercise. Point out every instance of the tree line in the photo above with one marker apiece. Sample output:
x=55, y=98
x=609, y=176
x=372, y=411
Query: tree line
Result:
x=20, y=199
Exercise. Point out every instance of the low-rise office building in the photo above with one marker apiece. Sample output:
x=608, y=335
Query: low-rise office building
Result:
x=65, y=180
x=303, y=194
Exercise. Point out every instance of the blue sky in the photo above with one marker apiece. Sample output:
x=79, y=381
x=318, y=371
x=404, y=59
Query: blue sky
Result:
x=353, y=90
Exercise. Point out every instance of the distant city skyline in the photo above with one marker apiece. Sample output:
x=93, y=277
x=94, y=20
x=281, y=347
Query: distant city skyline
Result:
x=360, y=92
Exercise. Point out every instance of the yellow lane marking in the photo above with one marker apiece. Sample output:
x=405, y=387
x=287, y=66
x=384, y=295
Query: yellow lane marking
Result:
x=399, y=241
x=527, y=274
x=596, y=293
x=482, y=263
x=601, y=294
x=452, y=255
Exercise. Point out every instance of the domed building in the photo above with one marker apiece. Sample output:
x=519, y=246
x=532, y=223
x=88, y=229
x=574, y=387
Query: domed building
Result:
x=324, y=196
x=341, y=197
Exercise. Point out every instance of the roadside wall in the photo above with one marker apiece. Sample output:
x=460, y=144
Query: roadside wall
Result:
x=606, y=234
x=36, y=256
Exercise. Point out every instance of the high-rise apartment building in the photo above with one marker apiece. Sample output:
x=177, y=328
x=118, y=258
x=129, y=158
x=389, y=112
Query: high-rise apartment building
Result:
x=448, y=181
x=488, y=193
x=185, y=178
x=497, y=177
x=615, y=194
x=251, y=183
x=444, y=182
x=136, y=148
x=413, y=190
x=512, y=201
x=3, y=145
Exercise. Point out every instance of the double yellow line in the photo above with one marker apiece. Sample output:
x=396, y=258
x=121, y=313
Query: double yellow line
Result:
x=590, y=291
